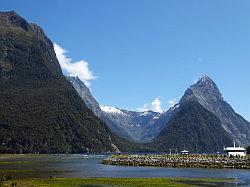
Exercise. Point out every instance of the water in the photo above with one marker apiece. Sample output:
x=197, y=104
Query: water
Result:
x=80, y=166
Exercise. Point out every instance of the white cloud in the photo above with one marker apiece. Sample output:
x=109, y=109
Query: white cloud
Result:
x=172, y=102
x=154, y=106
x=78, y=68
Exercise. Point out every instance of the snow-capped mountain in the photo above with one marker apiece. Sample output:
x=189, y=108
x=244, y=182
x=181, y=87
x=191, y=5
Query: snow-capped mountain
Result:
x=146, y=126
x=111, y=110
x=137, y=126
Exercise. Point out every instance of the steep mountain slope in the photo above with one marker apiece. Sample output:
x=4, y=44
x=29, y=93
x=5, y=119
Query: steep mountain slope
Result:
x=94, y=106
x=206, y=92
x=203, y=121
x=131, y=125
x=85, y=94
x=39, y=109
x=193, y=128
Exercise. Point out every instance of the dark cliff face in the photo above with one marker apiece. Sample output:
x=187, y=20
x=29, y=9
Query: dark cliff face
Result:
x=39, y=109
x=206, y=92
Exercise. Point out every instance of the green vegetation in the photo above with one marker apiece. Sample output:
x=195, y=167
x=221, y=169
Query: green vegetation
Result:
x=193, y=128
x=126, y=146
x=8, y=162
x=40, y=112
x=132, y=182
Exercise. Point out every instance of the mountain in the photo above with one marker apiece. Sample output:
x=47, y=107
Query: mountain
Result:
x=177, y=127
x=40, y=111
x=94, y=106
x=203, y=121
x=131, y=125
x=206, y=92
x=85, y=94
x=146, y=126
x=139, y=125
x=193, y=128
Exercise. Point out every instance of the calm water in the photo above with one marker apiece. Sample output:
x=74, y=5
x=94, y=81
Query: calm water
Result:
x=88, y=166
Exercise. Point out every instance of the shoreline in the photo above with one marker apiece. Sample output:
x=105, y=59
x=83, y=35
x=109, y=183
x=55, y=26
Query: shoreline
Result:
x=180, y=161
x=23, y=175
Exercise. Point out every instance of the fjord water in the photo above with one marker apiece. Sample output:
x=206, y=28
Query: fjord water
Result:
x=81, y=166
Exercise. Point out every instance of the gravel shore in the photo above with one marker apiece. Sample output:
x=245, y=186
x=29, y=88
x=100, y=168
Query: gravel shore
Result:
x=176, y=161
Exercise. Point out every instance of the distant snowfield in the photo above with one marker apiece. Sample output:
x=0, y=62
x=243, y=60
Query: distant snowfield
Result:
x=109, y=109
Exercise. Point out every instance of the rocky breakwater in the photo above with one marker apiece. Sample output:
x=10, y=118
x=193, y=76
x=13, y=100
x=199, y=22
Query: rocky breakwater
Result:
x=179, y=161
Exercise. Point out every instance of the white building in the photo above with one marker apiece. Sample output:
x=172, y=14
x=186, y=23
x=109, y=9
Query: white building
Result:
x=184, y=152
x=235, y=151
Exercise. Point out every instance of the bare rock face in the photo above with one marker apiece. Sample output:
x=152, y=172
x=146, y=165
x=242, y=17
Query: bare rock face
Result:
x=85, y=94
x=206, y=92
x=131, y=125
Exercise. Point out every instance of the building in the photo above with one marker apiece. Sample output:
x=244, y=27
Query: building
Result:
x=184, y=152
x=235, y=151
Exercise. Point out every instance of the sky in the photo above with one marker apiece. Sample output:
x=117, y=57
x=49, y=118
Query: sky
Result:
x=144, y=54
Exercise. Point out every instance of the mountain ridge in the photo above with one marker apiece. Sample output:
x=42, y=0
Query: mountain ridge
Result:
x=40, y=111
x=130, y=125
x=204, y=91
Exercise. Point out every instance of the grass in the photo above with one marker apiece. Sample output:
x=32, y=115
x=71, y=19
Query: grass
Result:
x=131, y=182
x=13, y=162
x=22, y=155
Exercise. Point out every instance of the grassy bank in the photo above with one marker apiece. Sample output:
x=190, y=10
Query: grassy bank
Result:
x=131, y=182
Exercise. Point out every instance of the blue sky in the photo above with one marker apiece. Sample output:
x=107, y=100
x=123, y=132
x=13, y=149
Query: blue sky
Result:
x=139, y=50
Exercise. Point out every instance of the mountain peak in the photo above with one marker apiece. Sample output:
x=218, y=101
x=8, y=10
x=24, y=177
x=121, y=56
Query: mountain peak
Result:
x=12, y=19
x=204, y=90
x=204, y=77
x=204, y=80
x=205, y=85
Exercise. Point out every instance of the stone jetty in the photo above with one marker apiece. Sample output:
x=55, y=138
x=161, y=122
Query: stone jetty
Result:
x=180, y=161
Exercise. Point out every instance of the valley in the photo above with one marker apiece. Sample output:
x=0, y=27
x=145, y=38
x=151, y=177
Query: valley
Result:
x=54, y=132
